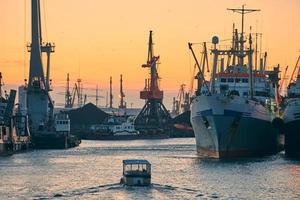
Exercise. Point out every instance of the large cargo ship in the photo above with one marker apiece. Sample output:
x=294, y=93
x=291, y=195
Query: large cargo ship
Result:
x=232, y=114
x=291, y=115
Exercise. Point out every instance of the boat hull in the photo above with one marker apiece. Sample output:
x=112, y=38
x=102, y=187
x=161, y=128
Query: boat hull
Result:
x=292, y=139
x=228, y=127
x=291, y=127
x=136, y=180
x=54, y=141
x=94, y=136
x=7, y=149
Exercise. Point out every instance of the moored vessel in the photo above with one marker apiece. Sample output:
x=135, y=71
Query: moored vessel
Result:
x=291, y=114
x=232, y=114
x=14, y=133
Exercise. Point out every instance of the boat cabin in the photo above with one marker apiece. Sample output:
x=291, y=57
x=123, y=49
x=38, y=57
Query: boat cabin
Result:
x=235, y=81
x=62, y=123
x=136, y=173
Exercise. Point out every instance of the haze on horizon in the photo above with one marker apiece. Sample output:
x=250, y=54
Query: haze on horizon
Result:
x=96, y=39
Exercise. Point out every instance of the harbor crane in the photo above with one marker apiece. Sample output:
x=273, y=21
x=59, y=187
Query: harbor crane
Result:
x=77, y=92
x=154, y=117
x=39, y=102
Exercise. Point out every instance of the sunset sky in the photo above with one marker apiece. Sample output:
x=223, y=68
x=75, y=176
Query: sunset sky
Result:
x=96, y=39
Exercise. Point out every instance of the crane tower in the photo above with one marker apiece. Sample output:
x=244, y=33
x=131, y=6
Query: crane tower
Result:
x=40, y=104
x=154, y=117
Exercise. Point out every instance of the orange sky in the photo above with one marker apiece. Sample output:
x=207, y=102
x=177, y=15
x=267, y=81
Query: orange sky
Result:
x=99, y=38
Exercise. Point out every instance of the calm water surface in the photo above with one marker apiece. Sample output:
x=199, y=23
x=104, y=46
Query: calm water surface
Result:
x=93, y=171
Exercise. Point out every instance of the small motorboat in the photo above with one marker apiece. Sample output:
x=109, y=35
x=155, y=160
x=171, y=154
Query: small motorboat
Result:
x=136, y=173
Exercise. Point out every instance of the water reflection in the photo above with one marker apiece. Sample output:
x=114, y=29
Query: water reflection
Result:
x=94, y=169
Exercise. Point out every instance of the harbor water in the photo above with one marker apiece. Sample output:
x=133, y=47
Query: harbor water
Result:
x=93, y=171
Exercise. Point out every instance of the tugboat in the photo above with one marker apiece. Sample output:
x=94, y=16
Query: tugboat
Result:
x=136, y=173
x=291, y=116
x=232, y=114
x=117, y=126
x=61, y=139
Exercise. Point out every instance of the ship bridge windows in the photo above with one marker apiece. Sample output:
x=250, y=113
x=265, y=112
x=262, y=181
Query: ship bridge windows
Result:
x=223, y=80
x=244, y=80
x=230, y=80
x=237, y=80
x=62, y=122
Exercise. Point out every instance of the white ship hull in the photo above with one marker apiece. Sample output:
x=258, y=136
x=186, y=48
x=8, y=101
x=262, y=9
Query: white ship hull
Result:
x=232, y=126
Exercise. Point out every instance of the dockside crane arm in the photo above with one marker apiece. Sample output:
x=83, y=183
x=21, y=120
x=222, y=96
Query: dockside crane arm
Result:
x=74, y=91
x=296, y=68
x=205, y=57
x=199, y=68
x=191, y=88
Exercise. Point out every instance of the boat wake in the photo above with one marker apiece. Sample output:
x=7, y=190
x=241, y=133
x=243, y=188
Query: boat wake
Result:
x=114, y=188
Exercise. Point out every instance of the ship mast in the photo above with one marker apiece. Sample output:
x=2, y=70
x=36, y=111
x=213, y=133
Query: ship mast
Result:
x=110, y=93
x=122, y=95
x=68, y=96
x=242, y=41
x=1, y=84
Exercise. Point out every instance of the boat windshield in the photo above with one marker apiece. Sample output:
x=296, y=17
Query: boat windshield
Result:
x=136, y=168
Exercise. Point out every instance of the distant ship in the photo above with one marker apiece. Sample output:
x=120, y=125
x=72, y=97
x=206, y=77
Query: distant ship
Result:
x=232, y=114
x=291, y=115
x=14, y=132
x=119, y=128
x=116, y=125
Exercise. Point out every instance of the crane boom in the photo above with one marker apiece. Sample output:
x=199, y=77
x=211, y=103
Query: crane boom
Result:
x=296, y=68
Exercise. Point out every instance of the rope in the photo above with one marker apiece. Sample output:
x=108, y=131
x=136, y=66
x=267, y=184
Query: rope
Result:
x=24, y=56
x=45, y=19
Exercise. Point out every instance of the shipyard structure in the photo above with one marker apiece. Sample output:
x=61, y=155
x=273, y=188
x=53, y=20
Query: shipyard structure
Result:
x=48, y=130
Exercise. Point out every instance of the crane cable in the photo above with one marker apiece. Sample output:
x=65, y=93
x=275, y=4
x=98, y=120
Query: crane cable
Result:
x=25, y=46
x=45, y=19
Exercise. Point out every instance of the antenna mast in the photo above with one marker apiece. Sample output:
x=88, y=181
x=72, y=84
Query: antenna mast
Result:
x=1, y=84
x=97, y=95
x=110, y=93
x=242, y=11
x=68, y=96
x=122, y=95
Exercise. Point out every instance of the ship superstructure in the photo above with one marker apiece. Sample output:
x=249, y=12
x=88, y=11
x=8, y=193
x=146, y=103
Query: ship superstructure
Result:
x=232, y=113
